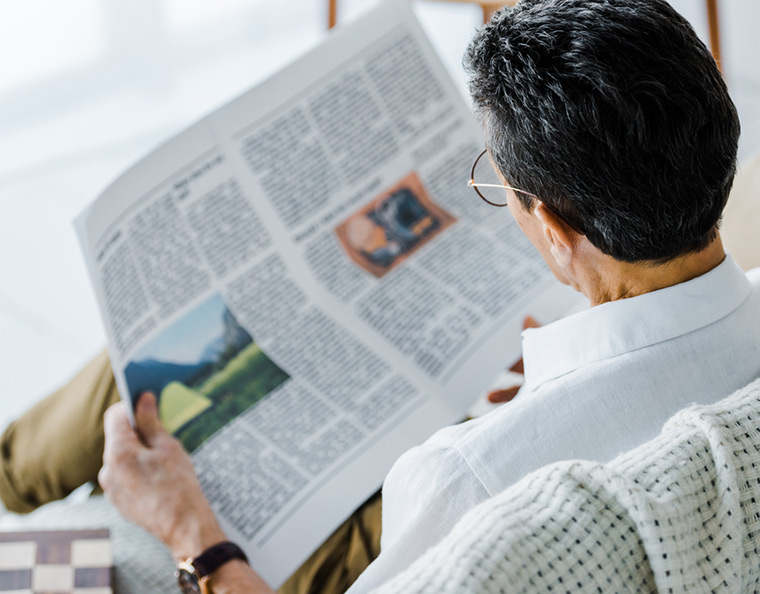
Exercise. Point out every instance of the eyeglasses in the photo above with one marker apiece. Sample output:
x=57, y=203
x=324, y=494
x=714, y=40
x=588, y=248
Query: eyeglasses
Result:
x=494, y=194
x=491, y=193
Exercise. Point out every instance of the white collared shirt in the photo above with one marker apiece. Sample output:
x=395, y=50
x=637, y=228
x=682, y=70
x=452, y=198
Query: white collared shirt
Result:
x=597, y=383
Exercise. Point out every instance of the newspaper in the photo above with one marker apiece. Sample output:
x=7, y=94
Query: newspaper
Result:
x=307, y=283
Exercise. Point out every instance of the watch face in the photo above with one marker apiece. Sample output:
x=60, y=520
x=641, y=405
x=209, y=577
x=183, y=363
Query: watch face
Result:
x=187, y=581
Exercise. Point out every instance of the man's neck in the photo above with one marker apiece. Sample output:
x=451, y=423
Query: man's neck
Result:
x=611, y=280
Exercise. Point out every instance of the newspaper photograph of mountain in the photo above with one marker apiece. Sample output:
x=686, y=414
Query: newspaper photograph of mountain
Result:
x=205, y=369
x=393, y=226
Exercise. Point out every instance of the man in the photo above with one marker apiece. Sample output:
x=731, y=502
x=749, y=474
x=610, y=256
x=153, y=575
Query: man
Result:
x=615, y=139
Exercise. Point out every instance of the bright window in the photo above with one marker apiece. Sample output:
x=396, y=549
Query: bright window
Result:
x=40, y=38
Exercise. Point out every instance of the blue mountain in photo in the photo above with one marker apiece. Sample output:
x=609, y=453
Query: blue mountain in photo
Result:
x=213, y=351
x=151, y=375
x=234, y=335
x=233, y=338
x=154, y=375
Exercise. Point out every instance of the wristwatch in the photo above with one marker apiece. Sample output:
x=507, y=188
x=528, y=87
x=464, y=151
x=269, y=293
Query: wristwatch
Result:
x=193, y=574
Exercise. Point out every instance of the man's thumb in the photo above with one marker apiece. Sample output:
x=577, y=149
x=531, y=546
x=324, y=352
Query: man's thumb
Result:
x=147, y=423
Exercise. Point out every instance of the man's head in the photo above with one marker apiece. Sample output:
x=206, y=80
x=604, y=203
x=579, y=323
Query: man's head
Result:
x=615, y=115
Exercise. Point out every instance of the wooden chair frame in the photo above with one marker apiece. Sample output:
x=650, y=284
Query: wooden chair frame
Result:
x=713, y=23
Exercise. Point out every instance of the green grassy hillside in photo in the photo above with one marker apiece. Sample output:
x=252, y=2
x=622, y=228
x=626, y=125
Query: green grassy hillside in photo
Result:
x=241, y=383
x=205, y=368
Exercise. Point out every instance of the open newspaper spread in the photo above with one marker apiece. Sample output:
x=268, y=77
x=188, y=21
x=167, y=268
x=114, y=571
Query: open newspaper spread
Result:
x=308, y=285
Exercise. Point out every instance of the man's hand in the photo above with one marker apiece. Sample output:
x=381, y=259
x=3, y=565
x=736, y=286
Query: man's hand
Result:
x=507, y=394
x=150, y=479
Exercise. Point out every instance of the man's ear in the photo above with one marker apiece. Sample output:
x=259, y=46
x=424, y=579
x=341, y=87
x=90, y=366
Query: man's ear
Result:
x=558, y=234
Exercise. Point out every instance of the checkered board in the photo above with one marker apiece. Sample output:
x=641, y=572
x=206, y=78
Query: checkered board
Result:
x=71, y=562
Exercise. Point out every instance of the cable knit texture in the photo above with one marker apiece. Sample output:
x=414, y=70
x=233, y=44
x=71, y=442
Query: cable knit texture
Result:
x=680, y=513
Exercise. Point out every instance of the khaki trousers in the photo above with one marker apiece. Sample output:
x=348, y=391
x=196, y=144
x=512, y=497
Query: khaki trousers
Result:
x=57, y=446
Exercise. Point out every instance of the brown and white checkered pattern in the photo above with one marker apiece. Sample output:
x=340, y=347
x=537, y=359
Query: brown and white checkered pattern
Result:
x=56, y=562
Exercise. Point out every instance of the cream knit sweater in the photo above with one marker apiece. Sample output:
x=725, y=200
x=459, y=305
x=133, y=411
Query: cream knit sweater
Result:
x=680, y=513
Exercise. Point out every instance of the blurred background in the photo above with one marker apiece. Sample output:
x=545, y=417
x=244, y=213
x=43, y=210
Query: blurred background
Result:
x=87, y=87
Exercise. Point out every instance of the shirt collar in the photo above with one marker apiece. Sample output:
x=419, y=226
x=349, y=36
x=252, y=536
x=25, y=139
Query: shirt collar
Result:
x=618, y=327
